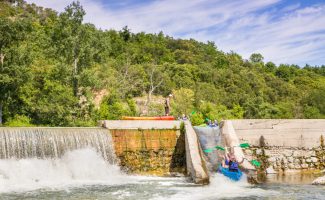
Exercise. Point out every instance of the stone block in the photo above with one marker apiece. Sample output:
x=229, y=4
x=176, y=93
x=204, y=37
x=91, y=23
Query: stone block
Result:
x=304, y=166
x=287, y=153
x=291, y=166
x=290, y=159
x=308, y=160
x=268, y=152
x=258, y=152
x=310, y=154
x=270, y=170
x=297, y=166
x=314, y=159
x=272, y=159
x=248, y=152
x=319, y=181
x=297, y=154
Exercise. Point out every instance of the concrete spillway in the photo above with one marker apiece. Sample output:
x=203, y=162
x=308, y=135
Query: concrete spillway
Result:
x=21, y=143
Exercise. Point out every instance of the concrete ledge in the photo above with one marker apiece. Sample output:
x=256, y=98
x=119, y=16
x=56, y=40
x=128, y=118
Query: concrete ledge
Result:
x=195, y=162
x=304, y=133
x=140, y=124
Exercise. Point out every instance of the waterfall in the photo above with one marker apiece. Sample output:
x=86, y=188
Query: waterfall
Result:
x=22, y=143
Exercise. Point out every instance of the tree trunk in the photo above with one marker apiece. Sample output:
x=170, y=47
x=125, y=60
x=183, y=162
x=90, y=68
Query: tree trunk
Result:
x=0, y=114
x=75, y=80
x=2, y=57
x=148, y=101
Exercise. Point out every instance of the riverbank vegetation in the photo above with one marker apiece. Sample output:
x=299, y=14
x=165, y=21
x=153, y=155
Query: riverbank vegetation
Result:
x=53, y=66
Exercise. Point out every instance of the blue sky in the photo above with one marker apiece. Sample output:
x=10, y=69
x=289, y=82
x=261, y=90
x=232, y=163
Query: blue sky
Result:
x=283, y=31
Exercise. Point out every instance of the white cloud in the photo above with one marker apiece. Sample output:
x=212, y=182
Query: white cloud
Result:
x=292, y=34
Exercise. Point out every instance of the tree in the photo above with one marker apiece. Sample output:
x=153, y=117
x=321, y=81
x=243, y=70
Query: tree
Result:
x=155, y=80
x=256, y=58
x=68, y=35
x=183, y=101
x=14, y=59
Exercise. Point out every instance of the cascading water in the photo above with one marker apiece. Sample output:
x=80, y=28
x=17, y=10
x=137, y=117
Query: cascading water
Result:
x=22, y=143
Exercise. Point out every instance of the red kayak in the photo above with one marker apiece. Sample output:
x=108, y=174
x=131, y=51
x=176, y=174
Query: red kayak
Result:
x=149, y=118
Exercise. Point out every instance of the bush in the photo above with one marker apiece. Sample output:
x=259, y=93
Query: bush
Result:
x=197, y=119
x=19, y=121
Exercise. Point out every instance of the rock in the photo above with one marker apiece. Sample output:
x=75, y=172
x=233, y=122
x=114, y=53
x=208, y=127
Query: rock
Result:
x=296, y=161
x=290, y=159
x=310, y=154
x=319, y=181
x=291, y=166
x=297, y=166
x=258, y=152
x=314, y=159
x=270, y=170
x=304, y=166
x=271, y=159
x=287, y=153
x=308, y=160
x=268, y=153
x=248, y=152
x=296, y=154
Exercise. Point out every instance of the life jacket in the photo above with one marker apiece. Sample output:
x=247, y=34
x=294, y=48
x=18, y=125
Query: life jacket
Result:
x=233, y=166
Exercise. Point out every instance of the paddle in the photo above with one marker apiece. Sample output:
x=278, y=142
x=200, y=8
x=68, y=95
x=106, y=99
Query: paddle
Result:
x=255, y=163
x=244, y=145
x=219, y=148
x=208, y=150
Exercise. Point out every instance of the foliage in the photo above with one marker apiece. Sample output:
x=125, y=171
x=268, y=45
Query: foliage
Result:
x=19, y=121
x=53, y=63
x=183, y=101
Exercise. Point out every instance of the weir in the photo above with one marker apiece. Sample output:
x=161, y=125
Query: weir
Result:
x=21, y=143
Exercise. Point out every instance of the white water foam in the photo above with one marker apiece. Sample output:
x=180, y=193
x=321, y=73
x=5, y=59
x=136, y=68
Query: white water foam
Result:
x=219, y=187
x=75, y=168
x=86, y=167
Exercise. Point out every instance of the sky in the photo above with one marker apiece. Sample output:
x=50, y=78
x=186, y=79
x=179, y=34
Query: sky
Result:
x=283, y=31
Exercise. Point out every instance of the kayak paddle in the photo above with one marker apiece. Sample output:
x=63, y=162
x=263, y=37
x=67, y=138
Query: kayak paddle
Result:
x=255, y=163
x=244, y=145
x=219, y=148
x=208, y=150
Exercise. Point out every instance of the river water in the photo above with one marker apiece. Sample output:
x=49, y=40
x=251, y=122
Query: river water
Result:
x=84, y=174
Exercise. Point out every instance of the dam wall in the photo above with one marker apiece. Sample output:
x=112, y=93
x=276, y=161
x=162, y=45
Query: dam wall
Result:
x=158, y=147
x=284, y=145
x=149, y=147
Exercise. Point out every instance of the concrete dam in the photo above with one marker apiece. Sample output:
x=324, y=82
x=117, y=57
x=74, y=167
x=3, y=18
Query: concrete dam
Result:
x=175, y=148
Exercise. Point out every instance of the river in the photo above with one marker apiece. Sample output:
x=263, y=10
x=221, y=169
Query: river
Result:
x=83, y=174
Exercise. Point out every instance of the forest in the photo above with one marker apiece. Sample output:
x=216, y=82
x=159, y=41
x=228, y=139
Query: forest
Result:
x=57, y=70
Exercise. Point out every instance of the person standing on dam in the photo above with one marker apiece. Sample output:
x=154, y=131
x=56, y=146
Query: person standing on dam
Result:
x=167, y=104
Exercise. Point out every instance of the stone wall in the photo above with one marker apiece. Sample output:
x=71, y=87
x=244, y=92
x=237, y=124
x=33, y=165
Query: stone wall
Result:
x=150, y=151
x=287, y=159
x=284, y=145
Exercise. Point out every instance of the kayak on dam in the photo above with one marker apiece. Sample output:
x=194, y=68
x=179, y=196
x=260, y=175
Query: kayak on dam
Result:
x=149, y=118
x=235, y=176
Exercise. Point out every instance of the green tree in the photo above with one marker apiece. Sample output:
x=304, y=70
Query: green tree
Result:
x=182, y=103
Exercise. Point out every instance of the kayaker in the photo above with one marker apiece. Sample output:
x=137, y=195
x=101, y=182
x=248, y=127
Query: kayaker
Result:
x=231, y=162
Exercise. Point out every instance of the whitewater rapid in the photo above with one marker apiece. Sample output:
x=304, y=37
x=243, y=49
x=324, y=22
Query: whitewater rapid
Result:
x=85, y=168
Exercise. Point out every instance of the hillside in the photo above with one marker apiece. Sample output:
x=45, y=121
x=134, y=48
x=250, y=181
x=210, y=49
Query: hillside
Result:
x=58, y=71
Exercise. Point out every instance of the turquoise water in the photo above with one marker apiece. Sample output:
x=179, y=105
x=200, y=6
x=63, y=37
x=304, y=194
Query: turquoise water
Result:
x=83, y=174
